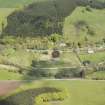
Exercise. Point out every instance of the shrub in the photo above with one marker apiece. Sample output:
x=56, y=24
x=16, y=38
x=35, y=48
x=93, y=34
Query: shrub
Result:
x=55, y=37
x=27, y=97
x=47, y=97
x=79, y=45
x=80, y=24
x=88, y=8
x=69, y=73
x=91, y=31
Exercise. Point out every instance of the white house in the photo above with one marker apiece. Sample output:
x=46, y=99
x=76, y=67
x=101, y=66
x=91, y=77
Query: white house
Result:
x=62, y=44
x=90, y=51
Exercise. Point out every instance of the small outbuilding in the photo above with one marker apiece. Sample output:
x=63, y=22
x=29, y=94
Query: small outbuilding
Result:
x=90, y=51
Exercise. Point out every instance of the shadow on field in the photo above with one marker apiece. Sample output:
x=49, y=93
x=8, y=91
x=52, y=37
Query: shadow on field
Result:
x=26, y=97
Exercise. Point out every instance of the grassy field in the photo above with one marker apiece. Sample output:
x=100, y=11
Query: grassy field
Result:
x=25, y=60
x=4, y=12
x=5, y=75
x=96, y=57
x=14, y=3
x=39, y=60
x=99, y=75
x=66, y=59
x=81, y=92
x=93, y=19
x=19, y=57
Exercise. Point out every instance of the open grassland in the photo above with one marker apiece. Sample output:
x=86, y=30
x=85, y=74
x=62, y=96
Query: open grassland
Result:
x=95, y=58
x=99, y=75
x=4, y=12
x=14, y=3
x=23, y=65
x=24, y=58
x=18, y=57
x=12, y=61
x=81, y=92
x=84, y=25
x=6, y=75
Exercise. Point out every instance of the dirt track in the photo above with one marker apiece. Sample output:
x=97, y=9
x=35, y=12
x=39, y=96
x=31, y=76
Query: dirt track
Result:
x=8, y=86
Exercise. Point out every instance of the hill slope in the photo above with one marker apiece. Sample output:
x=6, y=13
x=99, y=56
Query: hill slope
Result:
x=44, y=18
x=14, y=3
x=19, y=3
x=83, y=24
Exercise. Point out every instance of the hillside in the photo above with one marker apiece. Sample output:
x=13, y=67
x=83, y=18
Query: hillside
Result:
x=44, y=18
x=52, y=52
x=19, y=3
x=14, y=3
x=83, y=24
x=73, y=24
x=4, y=12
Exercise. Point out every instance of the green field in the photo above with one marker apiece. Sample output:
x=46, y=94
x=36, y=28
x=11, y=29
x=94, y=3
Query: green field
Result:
x=95, y=58
x=25, y=60
x=4, y=12
x=39, y=60
x=6, y=75
x=99, y=75
x=93, y=19
x=14, y=3
x=81, y=92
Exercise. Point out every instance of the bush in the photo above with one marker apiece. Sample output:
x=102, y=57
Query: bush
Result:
x=88, y=8
x=55, y=37
x=69, y=73
x=27, y=97
x=91, y=31
x=80, y=24
x=48, y=97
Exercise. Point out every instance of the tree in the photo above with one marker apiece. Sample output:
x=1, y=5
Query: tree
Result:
x=55, y=38
x=82, y=73
x=3, y=26
x=79, y=45
x=88, y=8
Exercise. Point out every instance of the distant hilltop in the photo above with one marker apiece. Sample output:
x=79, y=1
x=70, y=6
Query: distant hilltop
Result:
x=44, y=17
